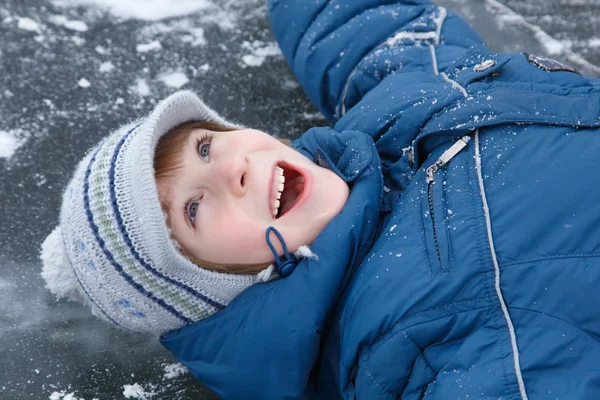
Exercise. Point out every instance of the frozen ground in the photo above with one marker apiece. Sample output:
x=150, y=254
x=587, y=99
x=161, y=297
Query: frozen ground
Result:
x=72, y=70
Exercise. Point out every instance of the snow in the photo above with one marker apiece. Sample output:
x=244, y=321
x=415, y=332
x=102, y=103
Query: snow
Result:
x=84, y=83
x=141, y=88
x=9, y=143
x=28, y=24
x=174, y=370
x=175, y=79
x=149, y=10
x=195, y=37
x=74, y=25
x=259, y=51
x=146, y=47
x=63, y=395
x=106, y=67
x=136, y=391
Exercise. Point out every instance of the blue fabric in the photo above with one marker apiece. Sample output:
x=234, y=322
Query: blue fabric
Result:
x=481, y=283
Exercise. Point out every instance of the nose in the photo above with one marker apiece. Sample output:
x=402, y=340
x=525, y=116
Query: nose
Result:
x=233, y=173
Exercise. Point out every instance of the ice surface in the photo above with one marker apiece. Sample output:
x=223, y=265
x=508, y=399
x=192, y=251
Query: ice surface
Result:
x=73, y=73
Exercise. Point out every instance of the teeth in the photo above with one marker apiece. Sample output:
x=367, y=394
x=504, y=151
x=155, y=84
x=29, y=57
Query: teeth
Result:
x=275, y=207
x=279, y=182
x=300, y=179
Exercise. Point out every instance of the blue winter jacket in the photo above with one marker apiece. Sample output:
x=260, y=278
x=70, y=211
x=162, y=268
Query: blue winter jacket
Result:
x=466, y=262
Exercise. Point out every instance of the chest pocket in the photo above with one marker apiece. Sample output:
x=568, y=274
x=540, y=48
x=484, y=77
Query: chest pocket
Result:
x=434, y=207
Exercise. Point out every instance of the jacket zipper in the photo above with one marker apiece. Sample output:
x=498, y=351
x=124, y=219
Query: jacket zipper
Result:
x=430, y=172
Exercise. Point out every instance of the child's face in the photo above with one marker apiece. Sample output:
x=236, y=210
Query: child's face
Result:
x=223, y=198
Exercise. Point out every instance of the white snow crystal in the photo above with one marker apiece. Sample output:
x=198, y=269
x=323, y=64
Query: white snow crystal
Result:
x=62, y=396
x=71, y=24
x=146, y=47
x=9, y=143
x=142, y=88
x=259, y=52
x=150, y=10
x=136, y=391
x=195, y=37
x=175, y=79
x=84, y=83
x=28, y=24
x=174, y=370
x=594, y=42
x=106, y=66
x=57, y=395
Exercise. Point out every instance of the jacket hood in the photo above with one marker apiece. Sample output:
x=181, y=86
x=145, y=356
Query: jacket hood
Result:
x=266, y=342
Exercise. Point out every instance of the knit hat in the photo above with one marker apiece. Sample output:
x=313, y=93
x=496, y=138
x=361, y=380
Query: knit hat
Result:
x=112, y=247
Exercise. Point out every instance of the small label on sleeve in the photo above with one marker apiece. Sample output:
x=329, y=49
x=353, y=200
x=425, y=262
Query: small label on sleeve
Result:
x=548, y=64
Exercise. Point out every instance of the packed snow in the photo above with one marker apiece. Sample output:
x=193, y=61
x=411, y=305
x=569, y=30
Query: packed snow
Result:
x=176, y=79
x=9, y=143
x=149, y=10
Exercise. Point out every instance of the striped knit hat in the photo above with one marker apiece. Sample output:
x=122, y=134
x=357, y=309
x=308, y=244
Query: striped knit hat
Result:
x=112, y=247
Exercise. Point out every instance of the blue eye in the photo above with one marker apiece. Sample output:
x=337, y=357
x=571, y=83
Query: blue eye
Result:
x=192, y=210
x=204, y=150
x=204, y=147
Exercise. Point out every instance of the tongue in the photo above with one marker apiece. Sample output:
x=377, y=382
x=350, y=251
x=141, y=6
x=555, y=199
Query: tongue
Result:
x=290, y=195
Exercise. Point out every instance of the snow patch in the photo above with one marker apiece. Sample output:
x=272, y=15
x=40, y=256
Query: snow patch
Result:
x=175, y=79
x=106, y=67
x=64, y=396
x=174, y=370
x=259, y=51
x=136, y=391
x=71, y=24
x=149, y=10
x=195, y=37
x=9, y=143
x=84, y=83
x=141, y=88
x=27, y=24
x=146, y=47
x=594, y=42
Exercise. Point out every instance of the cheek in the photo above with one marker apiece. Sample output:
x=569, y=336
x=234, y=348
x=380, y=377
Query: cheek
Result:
x=234, y=238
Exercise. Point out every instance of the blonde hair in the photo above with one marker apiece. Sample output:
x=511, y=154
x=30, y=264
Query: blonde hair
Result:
x=168, y=160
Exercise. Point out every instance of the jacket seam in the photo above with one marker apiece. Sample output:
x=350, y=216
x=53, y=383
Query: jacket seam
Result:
x=485, y=252
x=379, y=339
x=590, y=90
x=380, y=47
x=366, y=354
x=549, y=258
x=557, y=318
x=374, y=382
x=507, y=320
x=373, y=378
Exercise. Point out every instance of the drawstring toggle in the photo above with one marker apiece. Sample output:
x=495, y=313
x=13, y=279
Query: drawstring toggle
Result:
x=286, y=263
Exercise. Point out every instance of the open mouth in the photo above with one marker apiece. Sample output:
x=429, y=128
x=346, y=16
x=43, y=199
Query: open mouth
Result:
x=288, y=185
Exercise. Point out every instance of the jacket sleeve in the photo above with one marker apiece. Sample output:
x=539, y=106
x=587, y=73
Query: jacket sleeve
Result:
x=340, y=50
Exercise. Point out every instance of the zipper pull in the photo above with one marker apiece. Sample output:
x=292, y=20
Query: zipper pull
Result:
x=446, y=157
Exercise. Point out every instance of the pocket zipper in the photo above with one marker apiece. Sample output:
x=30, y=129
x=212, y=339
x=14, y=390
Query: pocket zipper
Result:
x=430, y=177
x=446, y=157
